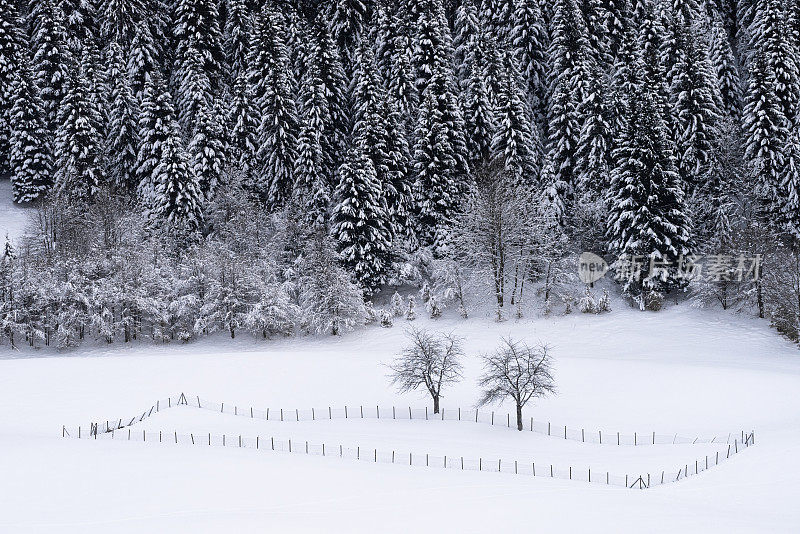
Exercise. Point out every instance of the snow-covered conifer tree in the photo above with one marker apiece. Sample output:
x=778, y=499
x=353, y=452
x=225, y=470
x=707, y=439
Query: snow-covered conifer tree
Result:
x=197, y=31
x=155, y=120
x=765, y=133
x=272, y=90
x=30, y=155
x=694, y=106
x=236, y=39
x=647, y=215
x=478, y=103
x=208, y=150
x=122, y=140
x=79, y=169
x=361, y=223
x=568, y=63
x=725, y=67
x=177, y=199
x=529, y=39
x=514, y=143
x=142, y=60
x=51, y=60
x=11, y=48
x=330, y=302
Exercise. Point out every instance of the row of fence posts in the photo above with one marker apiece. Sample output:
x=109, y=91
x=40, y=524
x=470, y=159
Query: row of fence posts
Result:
x=183, y=401
x=747, y=439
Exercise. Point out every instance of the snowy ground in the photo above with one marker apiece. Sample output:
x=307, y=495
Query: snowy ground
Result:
x=13, y=218
x=678, y=371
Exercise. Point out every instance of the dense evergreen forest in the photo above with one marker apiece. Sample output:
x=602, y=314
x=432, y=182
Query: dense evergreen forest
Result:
x=277, y=167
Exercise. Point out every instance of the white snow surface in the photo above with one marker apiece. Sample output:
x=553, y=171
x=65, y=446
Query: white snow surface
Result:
x=13, y=217
x=682, y=370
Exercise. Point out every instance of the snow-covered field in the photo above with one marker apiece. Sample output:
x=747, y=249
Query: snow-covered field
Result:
x=678, y=371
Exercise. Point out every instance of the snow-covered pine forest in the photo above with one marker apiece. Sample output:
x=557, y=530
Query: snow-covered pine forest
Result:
x=275, y=167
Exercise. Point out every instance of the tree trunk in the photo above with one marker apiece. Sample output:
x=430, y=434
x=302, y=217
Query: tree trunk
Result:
x=519, y=417
x=436, y=404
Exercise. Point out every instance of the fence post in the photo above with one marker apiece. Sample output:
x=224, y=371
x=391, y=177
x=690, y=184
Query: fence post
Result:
x=635, y=440
x=570, y=472
x=492, y=418
x=267, y=415
x=235, y=410
x=531, y=424
x=426, y=413
x=476, y=415
x=583, y=437
x=409, y=413
x=551, y=470
x=480, y=464
x=548, y=428
x=499, y=466
x=426, y=460
x=565, y=431
x=240, y=440
x=516, y=472
x=617, y=438
x=654, y=438
x=306, y=447
x=717, y=462
x=297, y=414
x=459, y=413
x=176, y=435
x=251, y=412
x=290, y=443
x=378, y=411
x=600, y=433
x=313, y=415
x=330, y=415
x=272, y=443
x=608, y=477
x=222, y=408
x=534, y=468
x=662, y=477
x=281, y=414
x=508, y=420
x=362, y=412
x=394, y=414
x=729, y=452
x=256, y=442
x=323, y=449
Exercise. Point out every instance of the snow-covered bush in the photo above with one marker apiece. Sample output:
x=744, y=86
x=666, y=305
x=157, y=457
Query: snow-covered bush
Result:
x=387, y=319
x=411, y=313
x=434, y=309
x=398, y=307
x=587, y=303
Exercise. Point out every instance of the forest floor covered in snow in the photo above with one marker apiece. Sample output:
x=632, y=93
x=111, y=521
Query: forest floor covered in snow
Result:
x=682, y=370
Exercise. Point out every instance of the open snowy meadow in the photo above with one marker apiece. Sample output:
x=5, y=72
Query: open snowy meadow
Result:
x=682, y=371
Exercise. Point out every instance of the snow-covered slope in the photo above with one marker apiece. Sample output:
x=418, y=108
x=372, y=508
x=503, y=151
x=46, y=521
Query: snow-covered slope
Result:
x=13, y=218
x=680, y=370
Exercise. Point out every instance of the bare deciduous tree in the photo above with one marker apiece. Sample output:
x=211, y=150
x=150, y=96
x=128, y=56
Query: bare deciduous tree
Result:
x=430, y=360
x=518, y=371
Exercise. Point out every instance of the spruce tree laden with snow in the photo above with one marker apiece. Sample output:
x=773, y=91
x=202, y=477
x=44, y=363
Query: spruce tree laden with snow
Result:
x=79, y=171
x=360, y=220
x=647, y=216
x=331, y=303
x=30, y=154
x=122, y=140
